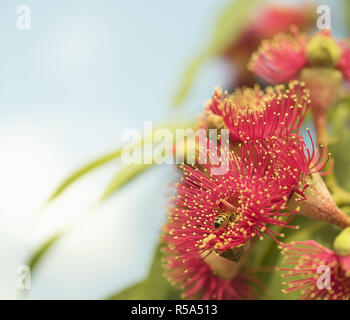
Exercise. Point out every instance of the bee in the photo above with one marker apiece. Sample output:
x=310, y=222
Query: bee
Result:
x=224, y=219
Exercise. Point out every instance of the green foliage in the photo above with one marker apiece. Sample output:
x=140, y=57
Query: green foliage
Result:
x=83, y=171
x=39, y=253
x=154, y=287
x=123, y=177
x=340, y=129
x=227, y=29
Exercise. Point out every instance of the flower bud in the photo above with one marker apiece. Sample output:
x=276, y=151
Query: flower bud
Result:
x=323, y=51
x=319, y=204
x=341, y=247
x=341, y=243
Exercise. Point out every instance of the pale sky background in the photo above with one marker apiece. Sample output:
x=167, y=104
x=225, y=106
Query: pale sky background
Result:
x=86, y=71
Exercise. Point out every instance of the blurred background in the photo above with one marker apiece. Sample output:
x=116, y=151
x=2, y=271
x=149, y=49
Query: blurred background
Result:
x=69, y=86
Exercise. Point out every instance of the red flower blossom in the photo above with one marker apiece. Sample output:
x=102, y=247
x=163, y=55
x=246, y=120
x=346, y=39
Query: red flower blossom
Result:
x=208, y=278
x=281, y=58
x=223, y=214
x=305, y=258
x=268, y=22
x=318, y=60
x=252, y=192
x=254, y=113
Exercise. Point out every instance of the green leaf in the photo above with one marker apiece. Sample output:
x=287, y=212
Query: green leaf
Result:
x=107, y=158
x=39, y=253
x=123, y=177
x=188, y=78
x=154, y=287
x=134, y=292
x=340, y=128
x=230, y=24
x=83, y=171
x=227, y=29
x=131, y=171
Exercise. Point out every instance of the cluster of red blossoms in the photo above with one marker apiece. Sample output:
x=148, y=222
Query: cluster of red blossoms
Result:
x=214, y=220
x=319, y=60
x=283, y=57
x=272, y=173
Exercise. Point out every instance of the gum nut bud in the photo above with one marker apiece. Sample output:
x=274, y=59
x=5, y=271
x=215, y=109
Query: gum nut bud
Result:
x=341, y=244
x=323, y=51
x=319, y=204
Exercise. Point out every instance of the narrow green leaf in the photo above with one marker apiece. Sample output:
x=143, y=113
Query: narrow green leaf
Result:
x=230, y=24
x=123, y=177
x=39, y=253
x=83, y=171
x=105, y=159
x=227, y=29
x=340, y=129
x=134, y=292
x=131, y=171
x=189, y=77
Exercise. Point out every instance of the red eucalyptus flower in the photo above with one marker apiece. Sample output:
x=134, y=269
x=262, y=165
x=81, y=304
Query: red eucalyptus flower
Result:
x=250, y=197
x=318, y=60
x=271, y=176
x=209, y=277
x=281, y=58
x=254, y=113
x=269, y=21
x=305, y=259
